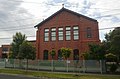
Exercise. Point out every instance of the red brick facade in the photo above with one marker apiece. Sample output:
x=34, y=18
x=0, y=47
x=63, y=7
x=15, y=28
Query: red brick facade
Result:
x=5, y=49
x=63, y=18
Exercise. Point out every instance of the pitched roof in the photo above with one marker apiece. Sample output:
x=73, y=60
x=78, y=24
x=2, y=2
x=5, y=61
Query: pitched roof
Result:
x=63, y=9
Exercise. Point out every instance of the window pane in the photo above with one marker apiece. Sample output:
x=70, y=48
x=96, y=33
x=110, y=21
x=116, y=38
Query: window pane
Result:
x=53, y=38
x=76, y=27
x=89, y=32
x=53, y=29
x=68, y=28
x=61, y=38
x=5, y=49
x=46, y=35
x=68, y=33
x=68, y=37
x=53, y=34
x=46, y=39
x=60, y=29
x=75, y=32
x=46, y=30
x=76, y=37
x=60, y=33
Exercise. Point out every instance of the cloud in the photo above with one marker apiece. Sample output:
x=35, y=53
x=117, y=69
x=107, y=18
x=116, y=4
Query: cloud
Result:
x=12, y=17
x=31, y=12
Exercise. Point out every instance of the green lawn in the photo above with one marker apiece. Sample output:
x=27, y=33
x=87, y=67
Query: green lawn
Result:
x=58, y=75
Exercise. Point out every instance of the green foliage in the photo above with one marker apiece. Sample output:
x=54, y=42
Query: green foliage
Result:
x=113, y=67
x=18, y=39
x=86, y=55
x=27, y=51
x=112, y=42
x=52, y=53
x=66, y=52
x=96, y=51
x=110, y=57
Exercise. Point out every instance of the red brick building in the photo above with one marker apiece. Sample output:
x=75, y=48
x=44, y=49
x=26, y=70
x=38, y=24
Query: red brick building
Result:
x=65, y=28
x=5, y=49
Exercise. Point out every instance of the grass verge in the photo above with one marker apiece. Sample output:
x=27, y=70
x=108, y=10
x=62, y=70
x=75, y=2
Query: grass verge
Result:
x=57, y=75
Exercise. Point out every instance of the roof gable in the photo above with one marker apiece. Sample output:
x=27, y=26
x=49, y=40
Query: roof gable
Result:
x=64, y=9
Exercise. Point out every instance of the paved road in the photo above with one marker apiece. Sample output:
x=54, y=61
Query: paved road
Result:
x=5, y=76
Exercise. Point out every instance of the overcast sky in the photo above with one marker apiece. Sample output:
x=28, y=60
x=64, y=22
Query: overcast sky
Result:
x=23, y=15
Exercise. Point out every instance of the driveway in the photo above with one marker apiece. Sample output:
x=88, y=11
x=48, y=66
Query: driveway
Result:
x=5, y=76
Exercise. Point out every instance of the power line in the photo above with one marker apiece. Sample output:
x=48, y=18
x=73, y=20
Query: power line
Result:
x=50, y=4
x=18, y=27
x=108, y=15
x=108, y=28
x=33, y=24
x=11, y=37
x=80, y=31
x=22, y=19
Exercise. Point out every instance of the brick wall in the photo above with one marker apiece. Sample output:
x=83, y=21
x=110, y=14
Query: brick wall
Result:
x=64, y=19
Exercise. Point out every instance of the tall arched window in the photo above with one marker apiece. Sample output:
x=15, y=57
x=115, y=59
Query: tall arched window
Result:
x=45, y=55
x=59, y=55
x=76, y=54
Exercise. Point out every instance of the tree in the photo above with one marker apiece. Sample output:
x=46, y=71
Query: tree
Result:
x=112, y=46
x=27, y=51
x=18, y=39
x=96, y=52
x=52, y=53
x=66, y=52
x=110, y=57
x=113, y=42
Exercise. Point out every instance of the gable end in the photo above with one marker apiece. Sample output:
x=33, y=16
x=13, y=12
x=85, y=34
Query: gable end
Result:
x=64, y=9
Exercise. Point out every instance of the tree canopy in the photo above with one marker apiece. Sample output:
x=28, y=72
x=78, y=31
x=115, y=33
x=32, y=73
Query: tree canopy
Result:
x=112, y=42
x=96, y=52
x=18, y=39
x=27, y=51
x=52, y=53
x=66, y=52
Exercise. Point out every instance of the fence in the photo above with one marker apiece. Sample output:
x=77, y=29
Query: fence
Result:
x=56, y=65
x=2, y=63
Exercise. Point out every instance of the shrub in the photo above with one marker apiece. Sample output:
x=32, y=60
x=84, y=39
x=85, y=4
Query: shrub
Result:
x=113, y=67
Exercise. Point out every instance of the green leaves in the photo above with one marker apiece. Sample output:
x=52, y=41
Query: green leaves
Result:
x=52, y=53
x=18, y=39
x=66, y=52
x=96, y=52
x=20, y=48
x=27, y=51
x=112, y=42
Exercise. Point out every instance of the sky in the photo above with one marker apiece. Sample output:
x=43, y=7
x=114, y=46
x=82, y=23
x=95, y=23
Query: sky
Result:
x=23, y=15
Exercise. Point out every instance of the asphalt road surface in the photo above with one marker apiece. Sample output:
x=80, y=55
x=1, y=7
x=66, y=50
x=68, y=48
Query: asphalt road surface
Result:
x=5, y=76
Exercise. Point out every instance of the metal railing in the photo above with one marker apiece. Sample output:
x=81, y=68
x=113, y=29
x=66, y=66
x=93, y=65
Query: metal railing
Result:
x=56, y=65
